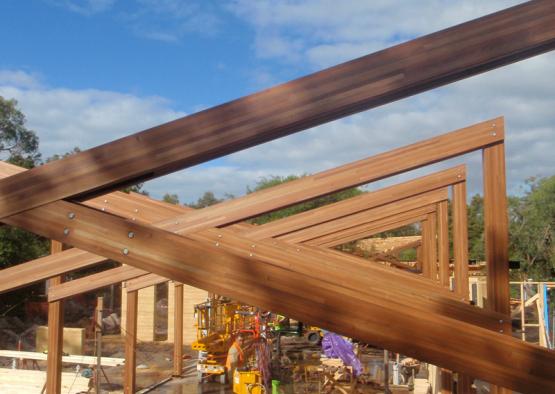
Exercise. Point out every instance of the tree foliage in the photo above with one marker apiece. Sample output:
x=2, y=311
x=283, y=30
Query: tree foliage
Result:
x=18, y=144
x=208, y=199
x=267, y=182
x=171, y=199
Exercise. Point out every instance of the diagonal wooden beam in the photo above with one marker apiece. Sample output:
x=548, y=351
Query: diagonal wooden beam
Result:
x=138, y=208
x=449, y=55
x=307, y=285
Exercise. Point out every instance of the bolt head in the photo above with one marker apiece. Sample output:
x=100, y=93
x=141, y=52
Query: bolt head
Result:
x=66, y=231
x=131, y=234
x=71, y=215
x=136, y=210
x=125, y=251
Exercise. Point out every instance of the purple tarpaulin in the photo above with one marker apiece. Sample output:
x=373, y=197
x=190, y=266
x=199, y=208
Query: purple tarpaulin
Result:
x=335, y=346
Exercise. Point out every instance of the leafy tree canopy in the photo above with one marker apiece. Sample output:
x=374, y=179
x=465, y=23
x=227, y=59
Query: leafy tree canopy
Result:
x=18, y=144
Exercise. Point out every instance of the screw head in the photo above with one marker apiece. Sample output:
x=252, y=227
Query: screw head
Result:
x=71, y=215
x=494, y=133
x=250, y=254
x=136, y=210
x=66, y=231
x=217, y=244
x=125, y=251
x=131, y=234
x=105, y=201
x=219, y=235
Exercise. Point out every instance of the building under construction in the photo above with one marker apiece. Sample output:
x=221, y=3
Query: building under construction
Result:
x=317, y=316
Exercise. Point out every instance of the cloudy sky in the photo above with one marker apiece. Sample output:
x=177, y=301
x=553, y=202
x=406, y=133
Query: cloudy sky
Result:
x=87, y=72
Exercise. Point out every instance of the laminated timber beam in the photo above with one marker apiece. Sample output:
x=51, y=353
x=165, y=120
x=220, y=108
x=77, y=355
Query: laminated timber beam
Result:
x=138, y=279
x=137, y=208
x=306, y=286
x=403, y=70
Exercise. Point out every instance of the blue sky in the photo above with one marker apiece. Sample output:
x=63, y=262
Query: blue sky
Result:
x=87, y=72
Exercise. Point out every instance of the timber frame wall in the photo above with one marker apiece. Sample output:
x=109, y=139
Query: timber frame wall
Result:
x=193, y=248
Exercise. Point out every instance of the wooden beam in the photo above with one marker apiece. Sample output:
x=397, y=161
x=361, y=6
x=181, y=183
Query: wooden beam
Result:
x=55, y=334
x=370, y=215
x=130, y=343
x=403, y=70
x=496, y=230
x=46, y=267
x=297, y=283
x=443, y=243
x=429, y=247
x=143, y=282
x=369, y=229
x=178, y=331
x=460, y=240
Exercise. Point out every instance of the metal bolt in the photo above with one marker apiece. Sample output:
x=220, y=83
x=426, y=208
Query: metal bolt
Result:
x=130, y=234
x=136, y=210
x=501, y=331
x=71, y=215
x=217, y=244
x=103, y=209
x=132, y=218
x=176, y=222
x=66, y=231
x=125, y=251
x=298, y=250
x=250, y=254
x=219, y=235
x=459, y=176
x=105, y=201
x=500, y=321
x=253, y=246
x=494, y=133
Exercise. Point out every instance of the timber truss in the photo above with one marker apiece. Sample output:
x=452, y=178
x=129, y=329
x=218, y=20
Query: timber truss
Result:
x=289, y=265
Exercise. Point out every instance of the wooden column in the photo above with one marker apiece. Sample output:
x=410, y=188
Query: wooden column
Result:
x=496, y=230
x=98, y=333
x=178, y=330
x=130, y=342
x=443, y=243
x=464, y=384
x=429, y=247
x=460, y=240
x=55, y=335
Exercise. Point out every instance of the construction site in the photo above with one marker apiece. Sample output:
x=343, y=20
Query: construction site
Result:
x=139, y=295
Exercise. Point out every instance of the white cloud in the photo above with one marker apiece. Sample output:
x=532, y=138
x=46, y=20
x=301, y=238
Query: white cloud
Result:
x=65, y=118
x=84, y=7
x=327, y=32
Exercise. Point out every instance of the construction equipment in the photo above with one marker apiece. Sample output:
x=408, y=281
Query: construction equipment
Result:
x=217, y=321
x=248, y=382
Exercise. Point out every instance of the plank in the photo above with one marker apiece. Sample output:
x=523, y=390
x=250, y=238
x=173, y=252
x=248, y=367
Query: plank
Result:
x=178, y=330
x=143, y=282
x=418, y=65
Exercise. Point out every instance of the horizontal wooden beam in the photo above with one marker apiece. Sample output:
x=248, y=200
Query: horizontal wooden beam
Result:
x=93, y=282
x=46, y=267
x=424, y=63
x=143, y=282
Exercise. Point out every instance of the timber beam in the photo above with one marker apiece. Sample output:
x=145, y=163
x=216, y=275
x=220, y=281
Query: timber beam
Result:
x=403, y=70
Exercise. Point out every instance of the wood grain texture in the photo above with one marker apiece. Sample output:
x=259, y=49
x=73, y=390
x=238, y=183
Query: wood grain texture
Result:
x=308, y=286
x=178, y=330
x=376, y=79
x=55, y=334
x=93, y=282
x=443, y=243
x=460, y=240
x=130, y=343
x=144, y=282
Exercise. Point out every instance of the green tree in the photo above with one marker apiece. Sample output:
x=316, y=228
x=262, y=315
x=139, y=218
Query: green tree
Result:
x=272, y=181
x=532, y=229
x=171, y=198
x=207, y=199
x=18, y=144
x=476, y=241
